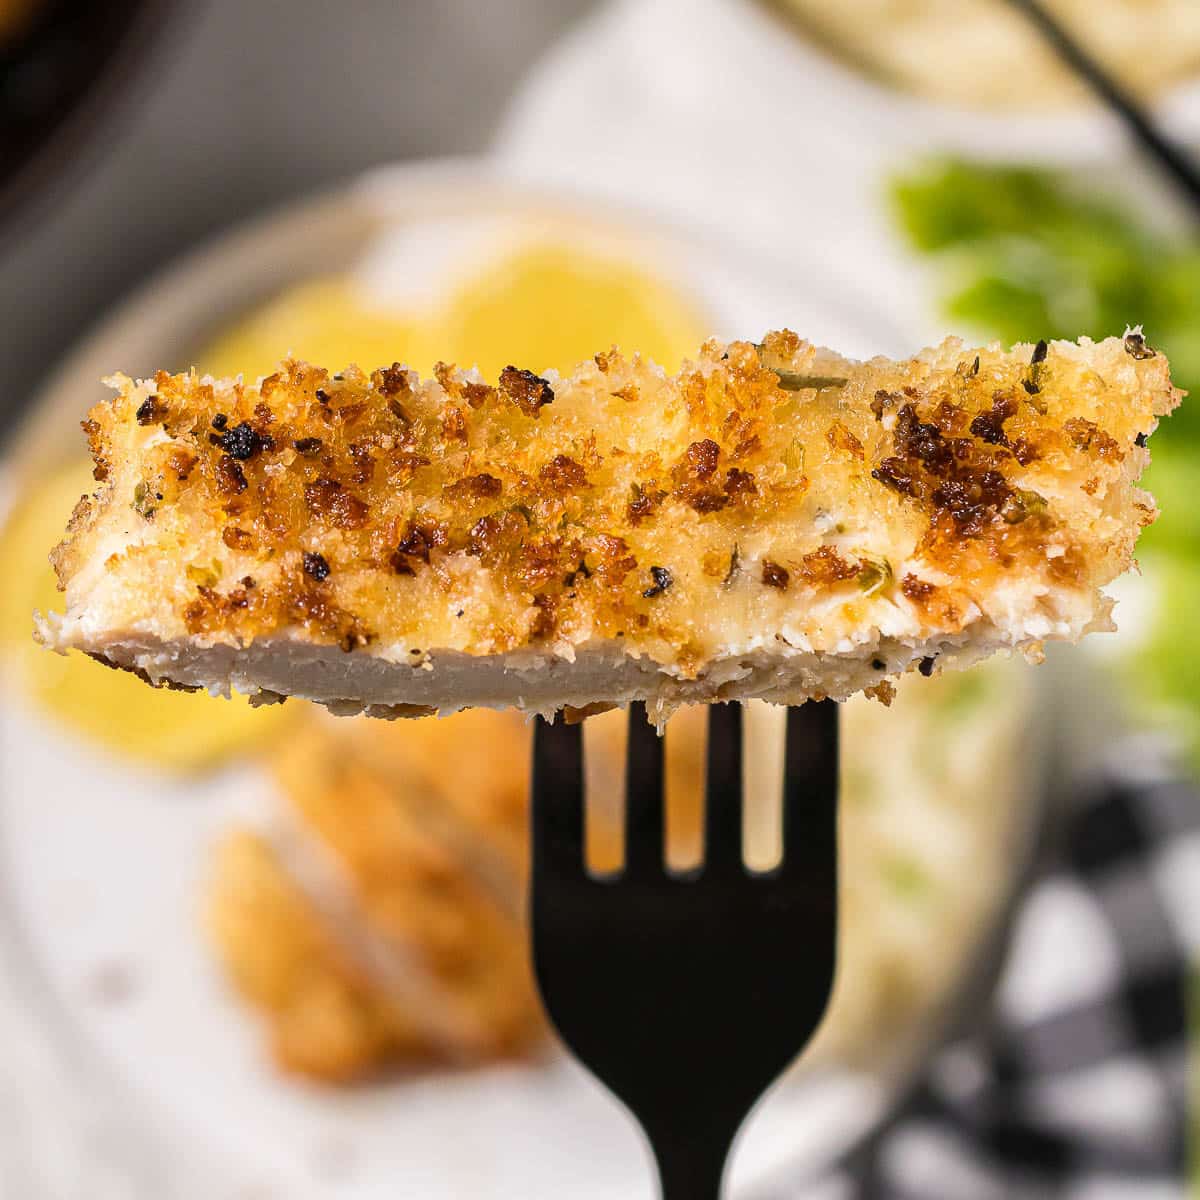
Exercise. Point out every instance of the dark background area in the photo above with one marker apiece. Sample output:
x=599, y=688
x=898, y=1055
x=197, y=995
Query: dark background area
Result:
x=244, y=104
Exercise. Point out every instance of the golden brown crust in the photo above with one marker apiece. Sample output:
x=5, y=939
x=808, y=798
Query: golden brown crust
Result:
x=766, y=482
x=430, y=846
x=326, y=1017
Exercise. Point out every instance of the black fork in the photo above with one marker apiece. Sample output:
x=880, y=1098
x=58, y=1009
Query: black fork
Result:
x=687, y=995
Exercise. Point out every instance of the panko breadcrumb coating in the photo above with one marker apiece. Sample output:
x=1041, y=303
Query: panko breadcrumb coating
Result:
x=774, y=521
x=375, y=919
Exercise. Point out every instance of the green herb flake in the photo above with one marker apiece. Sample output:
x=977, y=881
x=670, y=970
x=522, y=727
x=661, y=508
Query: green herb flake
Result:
x=202, y=576
x=1022, y=505
x=874, y=575
x=143, y=500
x=791, y=381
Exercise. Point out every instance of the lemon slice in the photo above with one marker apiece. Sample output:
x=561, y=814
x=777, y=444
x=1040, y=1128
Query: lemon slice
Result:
x=322, y=321
x=544, y=305
x=179, y=730
x=554, y=305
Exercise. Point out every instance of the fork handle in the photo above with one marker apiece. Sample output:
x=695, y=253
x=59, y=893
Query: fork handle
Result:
x=690, y=1168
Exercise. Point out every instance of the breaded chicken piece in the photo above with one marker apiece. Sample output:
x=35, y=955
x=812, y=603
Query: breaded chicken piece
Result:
x=775, y=521
x=376, y=920
x=326, y=1016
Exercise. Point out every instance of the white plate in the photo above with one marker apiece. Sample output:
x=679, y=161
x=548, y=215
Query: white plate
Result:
x=104, y=867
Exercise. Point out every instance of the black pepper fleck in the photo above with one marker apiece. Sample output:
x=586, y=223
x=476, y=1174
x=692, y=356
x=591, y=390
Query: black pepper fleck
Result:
x=1136, y=347
x=926, y=667
x=316, y=566
x=877, y=664
x=241, y=442
x=1033, y=383
x=1140, y=440
x=735, y=558
x=662, y=580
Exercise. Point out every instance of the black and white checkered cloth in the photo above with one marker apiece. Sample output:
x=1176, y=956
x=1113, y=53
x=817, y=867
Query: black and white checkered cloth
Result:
x=1076, y=1083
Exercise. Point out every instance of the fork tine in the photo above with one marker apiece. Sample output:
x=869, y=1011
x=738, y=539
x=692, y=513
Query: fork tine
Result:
x=636, y=972
x=810, y=784
x=644, y=822
x=557, y=798
x=723, y=789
